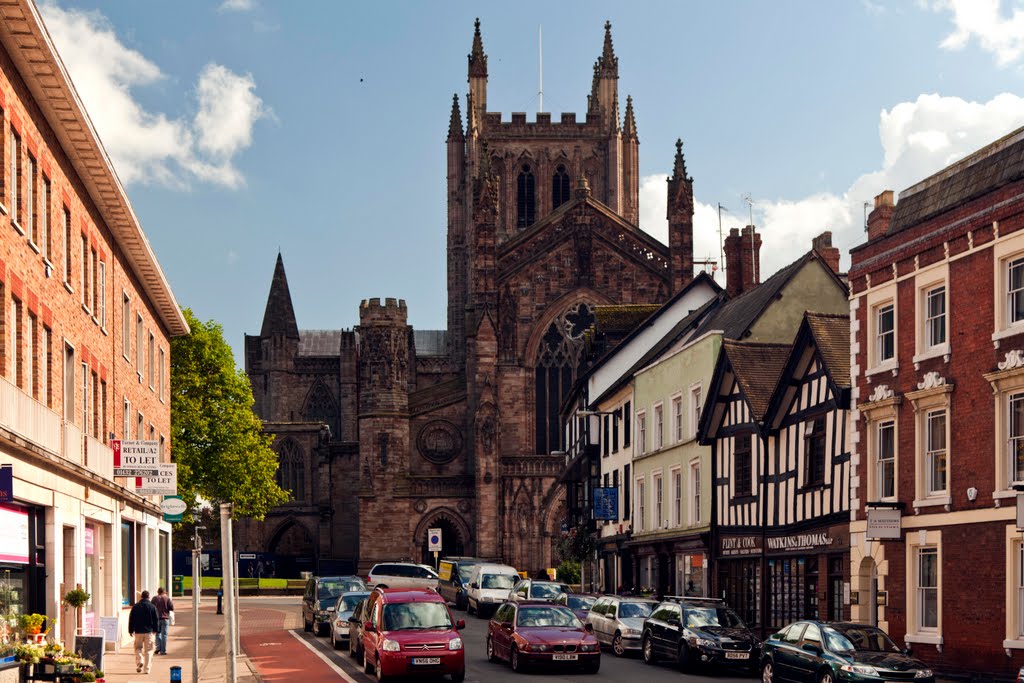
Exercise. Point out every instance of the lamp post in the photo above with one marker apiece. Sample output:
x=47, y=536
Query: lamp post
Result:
x=197, y=549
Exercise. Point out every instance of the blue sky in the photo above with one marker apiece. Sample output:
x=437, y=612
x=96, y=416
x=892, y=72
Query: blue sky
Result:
x=318, y=128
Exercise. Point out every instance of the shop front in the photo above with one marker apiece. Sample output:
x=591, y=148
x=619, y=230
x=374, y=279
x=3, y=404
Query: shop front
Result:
x=22, y=559
x=672, y=565
x=616, y=563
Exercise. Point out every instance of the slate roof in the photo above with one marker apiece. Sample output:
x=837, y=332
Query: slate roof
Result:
x=320, y=342
x=757, y=367
x=832, y=337
x=430, y=342
x=988, y=169
x=622, y=317
x=279, y=314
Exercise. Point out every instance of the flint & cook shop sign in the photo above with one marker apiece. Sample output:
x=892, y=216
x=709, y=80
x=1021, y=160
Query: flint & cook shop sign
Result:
x=731, y=546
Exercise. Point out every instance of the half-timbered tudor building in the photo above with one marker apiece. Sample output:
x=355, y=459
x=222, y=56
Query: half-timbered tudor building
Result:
x=776, y=419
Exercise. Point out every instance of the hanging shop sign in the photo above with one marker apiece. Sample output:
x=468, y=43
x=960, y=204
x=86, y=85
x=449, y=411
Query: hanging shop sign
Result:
x=883, y=523
x=164, y=483
x=136, y=458
x=13, y=535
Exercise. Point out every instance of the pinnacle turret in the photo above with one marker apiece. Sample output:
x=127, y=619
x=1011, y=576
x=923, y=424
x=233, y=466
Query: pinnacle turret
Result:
x=455, y=124
x=608, y=63
x=679, y=168
x=477, y=58
x=279, y=317
x=629, y=124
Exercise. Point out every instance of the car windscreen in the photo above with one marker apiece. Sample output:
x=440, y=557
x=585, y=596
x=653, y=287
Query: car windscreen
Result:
x=634, y=610
x=533, y=617
x=702, y=617
x=581, y=602
x=348, y=602
x=545, y=590
x=836, y=641
x=416, y=615
x=335, y=589
x=499, y=581
x=869, y=639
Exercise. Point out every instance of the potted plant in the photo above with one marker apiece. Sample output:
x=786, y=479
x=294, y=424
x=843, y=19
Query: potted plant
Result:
x=32, y=625
x=76, y=598
x=28, y=654
x=88, y=677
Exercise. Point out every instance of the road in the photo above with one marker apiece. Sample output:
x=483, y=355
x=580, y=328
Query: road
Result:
x=272, y=637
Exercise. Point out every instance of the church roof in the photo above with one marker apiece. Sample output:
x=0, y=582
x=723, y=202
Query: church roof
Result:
x=320, y=342
x=622, y=318
x=279, y=315
x=430, y=342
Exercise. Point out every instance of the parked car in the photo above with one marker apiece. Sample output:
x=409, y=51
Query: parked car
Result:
x=355, y=631
x=698, y=631
x=619, y=621
x=411, y=632
x=455, y=575
x=343, y=609
x=322, y=592
x=401, y=575
x=579, y=603
x=818, y=652
x=536, y=633
x=532, y=590
x=489, y=585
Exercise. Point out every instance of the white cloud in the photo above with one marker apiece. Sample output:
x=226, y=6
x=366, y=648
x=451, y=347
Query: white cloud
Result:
x=917, y=138
x=147, y=146
x=997, y=32
x=236, y=5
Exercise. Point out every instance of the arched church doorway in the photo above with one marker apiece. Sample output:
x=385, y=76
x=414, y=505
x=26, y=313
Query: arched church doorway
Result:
x=869, y=581
x=452, y=542
x=292, y=549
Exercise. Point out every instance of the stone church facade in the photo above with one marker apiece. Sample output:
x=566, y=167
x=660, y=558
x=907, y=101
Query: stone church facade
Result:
x=384, y=431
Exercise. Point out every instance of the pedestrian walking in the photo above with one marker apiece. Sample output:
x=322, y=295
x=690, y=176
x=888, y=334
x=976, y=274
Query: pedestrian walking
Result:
x=164, y=606
x=143, y=624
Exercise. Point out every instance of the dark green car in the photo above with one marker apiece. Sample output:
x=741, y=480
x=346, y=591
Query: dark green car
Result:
x=818, y=652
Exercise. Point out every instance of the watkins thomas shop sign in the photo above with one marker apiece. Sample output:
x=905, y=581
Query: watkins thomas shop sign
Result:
x=799, y=541
x=733, y=546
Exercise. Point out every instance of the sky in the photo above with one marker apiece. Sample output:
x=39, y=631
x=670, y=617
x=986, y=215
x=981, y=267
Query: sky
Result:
x=246, y=127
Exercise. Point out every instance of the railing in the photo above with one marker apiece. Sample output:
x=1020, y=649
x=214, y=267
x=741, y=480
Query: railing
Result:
x=29, y=418
x=99, y=458
x=73, y=446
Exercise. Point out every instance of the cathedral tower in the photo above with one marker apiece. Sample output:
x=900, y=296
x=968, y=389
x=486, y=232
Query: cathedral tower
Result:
x=680, y=222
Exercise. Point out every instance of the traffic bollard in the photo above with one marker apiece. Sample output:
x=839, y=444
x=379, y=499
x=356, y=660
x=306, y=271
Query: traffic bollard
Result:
x=220, y=600
x=175, y=674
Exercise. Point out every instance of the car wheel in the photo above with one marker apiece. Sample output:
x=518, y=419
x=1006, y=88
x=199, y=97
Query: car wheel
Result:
x=767, y=672
x=617, y=647
x=592, y=667
x=518, y=665
x=826, y=677
x=469, y=607
x=379, y=670
x=683, y=658
x=648, y=650
x=491, y=657
x=459, y=676
x=367, y=666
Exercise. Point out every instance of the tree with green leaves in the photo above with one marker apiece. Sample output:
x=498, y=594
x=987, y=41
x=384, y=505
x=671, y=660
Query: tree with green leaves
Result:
x=218, y=442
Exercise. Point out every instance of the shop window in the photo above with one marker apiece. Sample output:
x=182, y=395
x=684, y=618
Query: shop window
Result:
x=742, y=465
x=793, y=590
x=127, y=564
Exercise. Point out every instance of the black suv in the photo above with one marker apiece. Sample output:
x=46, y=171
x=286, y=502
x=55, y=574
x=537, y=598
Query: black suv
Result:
x=695, y=631
x=454, y=578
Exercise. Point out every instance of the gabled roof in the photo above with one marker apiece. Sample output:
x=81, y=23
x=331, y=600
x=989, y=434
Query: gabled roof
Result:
x=757, y=367
x=832, y=337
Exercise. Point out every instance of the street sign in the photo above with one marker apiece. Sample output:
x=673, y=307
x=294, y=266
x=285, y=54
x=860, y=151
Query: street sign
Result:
x=164, y=483
x=135, y=458
x=606, y=503
x=434, y=540
x=173, y=508
x=247, y=556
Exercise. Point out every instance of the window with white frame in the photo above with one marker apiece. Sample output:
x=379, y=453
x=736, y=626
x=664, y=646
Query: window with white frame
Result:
x=1015, y=290
x=1015, y=438
x=641, y=502
x=140, y=426
x=151, y=361
x=659, y=501
x=935, y=456
x=935, y=316
x=885, y=333
x=163, y=368
x=677, y=496
x=659, y=424
x=126, y=326
x=695, y=493
x=677, y=418
x=641, y=432
x=140, y=345
x=85, y=400
x=33, y=353
x=927, y=588
x=696, y=402
x=885, y=460
x=1019, y=552
x=14, y=195
x=65, y=243
x=44, y=219
x=84, y=270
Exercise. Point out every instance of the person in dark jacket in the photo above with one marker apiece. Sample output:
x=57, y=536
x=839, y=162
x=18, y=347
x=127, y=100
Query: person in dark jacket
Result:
x=143, y=624
x=164, y=606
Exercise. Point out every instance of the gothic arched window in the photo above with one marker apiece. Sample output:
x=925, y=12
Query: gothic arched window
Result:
x=558, y=359
x=559, y=187
x=525, y=196
x=321, y=407
x=291, y=472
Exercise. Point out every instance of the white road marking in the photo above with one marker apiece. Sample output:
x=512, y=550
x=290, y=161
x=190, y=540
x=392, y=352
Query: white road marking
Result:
x=327, y=660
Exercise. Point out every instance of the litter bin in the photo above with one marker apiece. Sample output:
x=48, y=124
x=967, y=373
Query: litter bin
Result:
x=178, y=586
x=175, y=674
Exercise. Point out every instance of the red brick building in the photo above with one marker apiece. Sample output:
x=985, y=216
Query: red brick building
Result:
x=455, y=428
x=86, y=318
x=937, y=329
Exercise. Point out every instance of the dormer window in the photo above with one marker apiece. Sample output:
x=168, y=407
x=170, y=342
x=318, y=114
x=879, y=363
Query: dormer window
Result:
x=525, y=198
x=559, y=187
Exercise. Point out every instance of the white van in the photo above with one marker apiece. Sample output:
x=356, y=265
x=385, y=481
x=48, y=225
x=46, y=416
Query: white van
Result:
x=489, y=585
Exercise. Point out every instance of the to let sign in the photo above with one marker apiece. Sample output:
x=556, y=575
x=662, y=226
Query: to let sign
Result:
x=136, y=458
x=164, y=483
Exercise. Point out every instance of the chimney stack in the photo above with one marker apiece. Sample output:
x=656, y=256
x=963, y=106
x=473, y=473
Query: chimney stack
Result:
x=829, y=254
x=880, y=218
x=742, y=260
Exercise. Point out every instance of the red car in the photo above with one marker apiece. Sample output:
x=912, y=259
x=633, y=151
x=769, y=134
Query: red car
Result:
x=540, y=633
x=410, y=631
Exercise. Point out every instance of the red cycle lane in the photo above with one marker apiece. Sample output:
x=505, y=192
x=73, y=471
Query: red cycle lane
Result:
x=279, y=656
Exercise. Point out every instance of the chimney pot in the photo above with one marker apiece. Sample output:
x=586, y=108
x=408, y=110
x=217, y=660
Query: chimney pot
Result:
x=880, y=218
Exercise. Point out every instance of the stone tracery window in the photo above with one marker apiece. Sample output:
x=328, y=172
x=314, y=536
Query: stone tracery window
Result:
x=526, y=206
x=559, y=187
x=558, y=360
x=291, y=470
x=321, y=407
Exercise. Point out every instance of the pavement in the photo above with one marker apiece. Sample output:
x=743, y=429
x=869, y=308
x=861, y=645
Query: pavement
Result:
x=120, y=667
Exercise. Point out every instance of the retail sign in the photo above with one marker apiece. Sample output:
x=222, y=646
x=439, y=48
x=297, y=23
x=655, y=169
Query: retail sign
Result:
x=13, y=535
x=798, y=541
x=173, y=508
x=606, y=503
x=884, y=523
x=163, y=483
x=434, y=540
x=6, y=483
x=136, y=458
x=730, y=546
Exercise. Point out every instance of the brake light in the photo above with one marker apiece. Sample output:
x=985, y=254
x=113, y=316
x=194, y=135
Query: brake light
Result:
x=369, y=579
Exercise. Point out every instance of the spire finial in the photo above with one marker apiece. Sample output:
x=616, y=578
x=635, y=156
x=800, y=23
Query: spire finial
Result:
x=679, y=168
x=455, y=124
x=629, y=126
x=608, y=59
x=477, y=58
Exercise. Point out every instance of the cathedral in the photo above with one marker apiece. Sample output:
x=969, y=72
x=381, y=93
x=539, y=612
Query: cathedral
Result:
x=384, y=432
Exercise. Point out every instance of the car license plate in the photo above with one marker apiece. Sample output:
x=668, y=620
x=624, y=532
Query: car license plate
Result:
x=565, y=658
x=426, y=660
x=737, y=655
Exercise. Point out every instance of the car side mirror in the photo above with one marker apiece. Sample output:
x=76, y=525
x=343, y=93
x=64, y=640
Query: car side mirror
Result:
x=368, y=626
x=506, y=626
x=672, y=621
x=908, y=651
x=812, y=648
x=588, y=627
x=474, y=586
x=460, y=624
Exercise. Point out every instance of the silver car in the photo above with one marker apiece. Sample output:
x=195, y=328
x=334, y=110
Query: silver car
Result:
x=619, y=621
x=339, y=617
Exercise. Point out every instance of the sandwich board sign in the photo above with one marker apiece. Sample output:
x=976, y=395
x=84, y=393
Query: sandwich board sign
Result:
x=136, y=458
